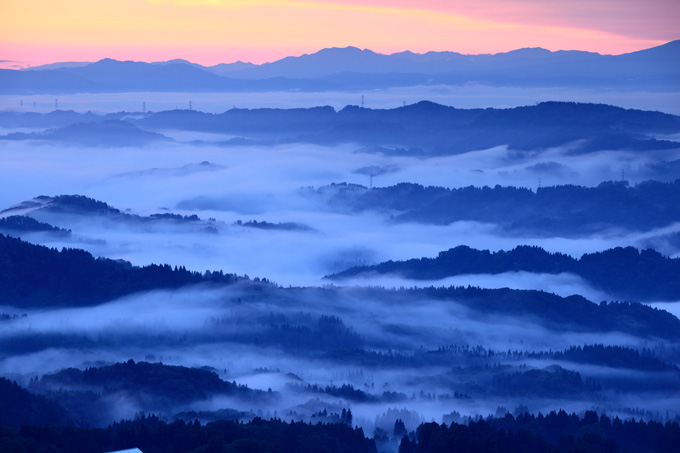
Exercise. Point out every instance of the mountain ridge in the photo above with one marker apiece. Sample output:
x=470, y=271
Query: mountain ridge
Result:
x=327, y=69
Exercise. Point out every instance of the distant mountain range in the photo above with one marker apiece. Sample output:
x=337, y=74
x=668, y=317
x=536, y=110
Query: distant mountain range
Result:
x=351, y=68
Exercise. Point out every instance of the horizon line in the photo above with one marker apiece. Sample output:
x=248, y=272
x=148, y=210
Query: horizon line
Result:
x=366, y=49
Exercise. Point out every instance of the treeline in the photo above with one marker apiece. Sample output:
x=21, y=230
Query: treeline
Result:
x=37, y=276
x=437, y=129
x=572, y=313
x=82, y=205
x=25, y=224
x=552, y=433
x=622, y=272
x=424, y=129
x=153, y=435
x=264, y=225
x=558, y=312
x=608, y=356
x=557, y=210
x=299, y=333
x=107, y=133
x=597, y=354
x=90, y=397
x=556, y=432
x=176, y=384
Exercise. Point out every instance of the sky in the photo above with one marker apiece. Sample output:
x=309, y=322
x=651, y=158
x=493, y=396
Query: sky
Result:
x=35, y=32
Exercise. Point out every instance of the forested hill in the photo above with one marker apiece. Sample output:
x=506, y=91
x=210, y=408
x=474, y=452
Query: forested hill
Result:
x=555, y=312
x=437, y=129
x=167, y=385
x=622, y=272
x=422, y=129
x=554, y=432
x=109, y=133
x=31, y=215
x=37, y=276
x=557, y=210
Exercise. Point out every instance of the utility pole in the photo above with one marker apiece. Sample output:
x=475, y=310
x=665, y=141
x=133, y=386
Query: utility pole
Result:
x=144, y=107
x=362, y=101
x=56, y=104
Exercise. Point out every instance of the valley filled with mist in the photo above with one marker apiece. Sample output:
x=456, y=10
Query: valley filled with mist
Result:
x=382, y=268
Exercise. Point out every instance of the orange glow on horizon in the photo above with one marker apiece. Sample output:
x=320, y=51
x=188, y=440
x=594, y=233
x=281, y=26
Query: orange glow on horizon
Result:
x=221, y=31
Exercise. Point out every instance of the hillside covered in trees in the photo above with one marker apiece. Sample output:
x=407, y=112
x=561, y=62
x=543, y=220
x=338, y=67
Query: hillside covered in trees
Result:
x=558, y=210
x=626, y=273
x=38, y=276
x=423, y=129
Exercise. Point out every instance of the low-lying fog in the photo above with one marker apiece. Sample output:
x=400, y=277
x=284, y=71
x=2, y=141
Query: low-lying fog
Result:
x=264, y=184
x=464, y=96
x=199, y=327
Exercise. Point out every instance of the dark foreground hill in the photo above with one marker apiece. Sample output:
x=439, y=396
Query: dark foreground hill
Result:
x=37, y=276
x=555, y=432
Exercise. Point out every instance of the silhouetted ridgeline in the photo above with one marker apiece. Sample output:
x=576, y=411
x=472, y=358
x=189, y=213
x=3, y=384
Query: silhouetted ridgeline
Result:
x=572, y=313
x=284, y=226
x=561, y=313
x=37, y=276
x=353, y=69
x=438, y=129
x=54, y=119
x=106, y=133
x=25, y=224
x=151, y=434
x=90, y=395
x=609, y=356
x=174, y=383
x=559, y=210
x=622, y=272
x=556, y=432
x=422, y=129
x=51, y=208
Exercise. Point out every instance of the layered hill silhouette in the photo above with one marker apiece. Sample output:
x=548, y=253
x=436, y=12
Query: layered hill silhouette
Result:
x=623, y=272
x=33, y=276
x=353, y=68
x=108, y=133
x=568, y=210
x=422, y=129
x=37, y=276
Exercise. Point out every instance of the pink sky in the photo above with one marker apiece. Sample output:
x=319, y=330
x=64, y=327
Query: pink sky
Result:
x=34, y=32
